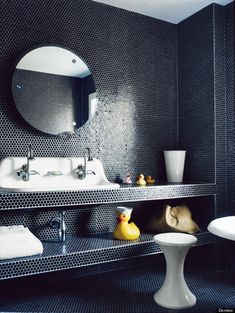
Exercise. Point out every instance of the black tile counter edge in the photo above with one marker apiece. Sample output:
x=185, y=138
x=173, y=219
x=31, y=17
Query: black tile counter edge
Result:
x=26, y=200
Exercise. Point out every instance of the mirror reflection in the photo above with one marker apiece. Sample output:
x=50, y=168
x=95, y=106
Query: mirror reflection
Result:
x=54, y=90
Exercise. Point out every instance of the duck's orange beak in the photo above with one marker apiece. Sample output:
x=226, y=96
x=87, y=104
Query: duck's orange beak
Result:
x=120, y=219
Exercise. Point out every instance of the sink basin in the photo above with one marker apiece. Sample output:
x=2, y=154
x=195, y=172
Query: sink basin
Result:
x=54, y=174
x=223, y=227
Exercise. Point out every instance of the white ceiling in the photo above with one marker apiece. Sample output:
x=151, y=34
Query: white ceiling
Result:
x=173, y=11
x=54, y=60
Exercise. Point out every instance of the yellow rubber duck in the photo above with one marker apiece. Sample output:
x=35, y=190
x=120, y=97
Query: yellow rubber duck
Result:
x=140, y=180
x=150, y=180
x=124, y=230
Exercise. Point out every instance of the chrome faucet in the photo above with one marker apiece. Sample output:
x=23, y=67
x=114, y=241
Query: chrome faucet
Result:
x=25, y=171
x=82, y=169
x=58, y=222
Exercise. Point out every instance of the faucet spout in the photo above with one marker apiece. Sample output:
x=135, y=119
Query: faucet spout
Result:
x=25, y=172
x=89, y=157
x=62, y=229
x=82, y=169
x=58, y=223
x=30, y=153
x=30, y=157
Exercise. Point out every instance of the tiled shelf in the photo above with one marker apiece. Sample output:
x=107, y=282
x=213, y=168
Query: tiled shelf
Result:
x=84, y=251
x=133, y=193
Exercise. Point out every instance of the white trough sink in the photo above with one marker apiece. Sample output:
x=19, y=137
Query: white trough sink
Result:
x=53, y=174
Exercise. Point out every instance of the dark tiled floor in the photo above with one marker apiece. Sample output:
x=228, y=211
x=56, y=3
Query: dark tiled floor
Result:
x=125, y=291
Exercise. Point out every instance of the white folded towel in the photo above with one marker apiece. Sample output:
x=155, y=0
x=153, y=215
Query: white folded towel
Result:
x=12, y=233
x=12, y=228
x=18, y=241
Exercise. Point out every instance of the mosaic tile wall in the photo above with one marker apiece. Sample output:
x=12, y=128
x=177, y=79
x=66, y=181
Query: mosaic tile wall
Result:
x=229, y=15
x=196, y=94
x=230, y=57
x=206, y=112
x=134, y=63
x=206, y=108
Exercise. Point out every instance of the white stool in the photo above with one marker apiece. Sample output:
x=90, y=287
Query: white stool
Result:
x=174, y=293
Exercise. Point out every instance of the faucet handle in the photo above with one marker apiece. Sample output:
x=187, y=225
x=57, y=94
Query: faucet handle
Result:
x=24, y=168
x=81, y=171
x=90, y=172
x=33, y=172
x=23, y=174
x=55, y=222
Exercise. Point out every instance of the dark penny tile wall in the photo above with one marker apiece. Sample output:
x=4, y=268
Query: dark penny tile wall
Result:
x=133, y=61
x=196, y=94
x=229, y=46
x=230, y=57
x=220, y=110
x=206, y=90
x=160, y=86
x=206, y=102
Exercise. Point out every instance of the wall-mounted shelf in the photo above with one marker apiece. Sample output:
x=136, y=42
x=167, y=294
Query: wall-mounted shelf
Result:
x=133, y=193
x=84, y=251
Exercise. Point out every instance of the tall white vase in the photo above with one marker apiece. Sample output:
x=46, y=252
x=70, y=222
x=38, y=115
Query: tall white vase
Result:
x=174, y=161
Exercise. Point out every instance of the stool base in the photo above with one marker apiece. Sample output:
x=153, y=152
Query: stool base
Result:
x=174, y=293
x=180, y=299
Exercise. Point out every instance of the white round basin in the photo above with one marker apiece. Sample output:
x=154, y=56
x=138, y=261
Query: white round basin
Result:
x=223, y=227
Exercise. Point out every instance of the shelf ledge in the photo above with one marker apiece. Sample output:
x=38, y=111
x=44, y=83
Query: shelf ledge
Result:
x=84, y=251
x=133, y=193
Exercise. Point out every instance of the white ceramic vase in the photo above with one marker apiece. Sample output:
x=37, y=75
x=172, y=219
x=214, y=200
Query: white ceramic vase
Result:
x=174, y=161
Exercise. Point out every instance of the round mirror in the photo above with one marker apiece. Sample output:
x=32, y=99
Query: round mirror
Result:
x=54, y=90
